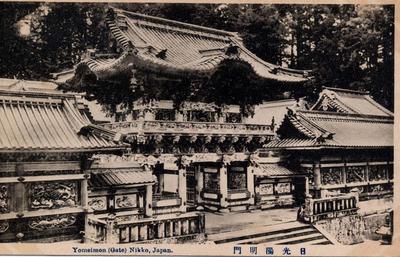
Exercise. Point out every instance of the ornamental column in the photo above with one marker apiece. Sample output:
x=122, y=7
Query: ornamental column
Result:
x=253, y=165
x=85, y=205
x=148, y=208
x=223, y=184
x=317, y=178
x=250, y=183
x=182, y=191
x=199, y=185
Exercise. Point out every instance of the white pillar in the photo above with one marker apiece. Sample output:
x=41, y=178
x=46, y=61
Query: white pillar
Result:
x=307, y=186
x=223, y=187
x=148, y=211
x=182, y=188
x=200, y=183
x=250, y=184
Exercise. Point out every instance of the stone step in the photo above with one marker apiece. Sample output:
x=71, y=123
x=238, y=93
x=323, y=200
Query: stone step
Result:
x=280, y=236
x=301, y=239
x=319, y=242
x=264, y=231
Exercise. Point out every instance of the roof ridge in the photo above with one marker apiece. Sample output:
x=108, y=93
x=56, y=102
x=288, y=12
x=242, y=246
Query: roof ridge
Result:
x=178, y=23
x=345, y=90
x=350, y=115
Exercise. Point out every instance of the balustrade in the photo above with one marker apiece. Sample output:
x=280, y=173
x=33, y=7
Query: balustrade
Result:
x=188, y=224
x=319, y=209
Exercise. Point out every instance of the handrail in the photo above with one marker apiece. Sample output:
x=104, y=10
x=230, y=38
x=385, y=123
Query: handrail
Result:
x=150, y=220
x=323, y=208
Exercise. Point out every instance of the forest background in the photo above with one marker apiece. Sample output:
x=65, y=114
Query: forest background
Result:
x=347, y=46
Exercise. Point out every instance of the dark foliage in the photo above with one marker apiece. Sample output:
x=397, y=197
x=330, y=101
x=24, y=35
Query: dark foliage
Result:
x=346, y=46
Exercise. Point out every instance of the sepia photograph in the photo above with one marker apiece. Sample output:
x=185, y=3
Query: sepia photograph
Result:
x=248, y=127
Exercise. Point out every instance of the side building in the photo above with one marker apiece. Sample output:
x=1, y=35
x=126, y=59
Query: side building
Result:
x=344, y=144
x=46, y=145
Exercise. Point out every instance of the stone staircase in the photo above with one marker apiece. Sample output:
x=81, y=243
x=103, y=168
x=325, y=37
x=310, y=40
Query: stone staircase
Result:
x=289, y=233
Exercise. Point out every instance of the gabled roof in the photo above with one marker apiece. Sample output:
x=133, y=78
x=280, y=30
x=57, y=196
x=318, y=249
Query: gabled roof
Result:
x=172, y=47
x=329, y=129
x=349, y=101
x=35, y=117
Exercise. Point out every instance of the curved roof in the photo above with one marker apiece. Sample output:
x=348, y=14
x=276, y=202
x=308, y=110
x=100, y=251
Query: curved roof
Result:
x=340, y=118
x=178, y=48
x=34, y=117
x=324, y=129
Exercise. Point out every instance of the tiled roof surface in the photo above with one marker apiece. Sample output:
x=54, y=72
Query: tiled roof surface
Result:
x=334, y=129
x=116, y=177
x=349, y=101
x=273, y=170
x=31, y=120
x=265, y=112
x=178, y=48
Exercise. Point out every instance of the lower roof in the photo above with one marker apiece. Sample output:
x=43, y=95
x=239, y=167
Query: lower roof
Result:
x=120, y=177
x=274, y=170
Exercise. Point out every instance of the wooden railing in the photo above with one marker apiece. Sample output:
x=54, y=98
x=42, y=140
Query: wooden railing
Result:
x=189, y=127
x=324, y=208
x=109, y=231
x=184, y=225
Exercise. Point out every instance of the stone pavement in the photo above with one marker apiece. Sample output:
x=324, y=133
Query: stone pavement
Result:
x=220, y=223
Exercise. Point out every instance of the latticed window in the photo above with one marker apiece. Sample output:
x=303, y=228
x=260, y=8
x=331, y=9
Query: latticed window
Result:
x=377, y=172
x=331, y=176
x=237, y=178
x=355, y=174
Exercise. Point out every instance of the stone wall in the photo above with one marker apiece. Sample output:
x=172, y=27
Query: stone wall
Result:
x=354, y=229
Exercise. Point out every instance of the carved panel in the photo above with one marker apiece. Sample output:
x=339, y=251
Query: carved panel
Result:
x=377, y=172
x=98, y=203
x=52, y=195
x=4, y=199
x=211, y=180
x=4, y=225
x=266, y=189
x=237, y=178
x=283, y=188
x=49, y=222
x=125, y=201
x=355, y=174
x=331, y=176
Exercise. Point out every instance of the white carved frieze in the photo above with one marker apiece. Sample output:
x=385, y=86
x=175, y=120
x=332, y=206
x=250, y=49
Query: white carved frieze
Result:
x=49, y=222
x=51, y=195
x=98, y=203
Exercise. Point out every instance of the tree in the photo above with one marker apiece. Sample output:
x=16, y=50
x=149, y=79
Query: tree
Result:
x=346, y=46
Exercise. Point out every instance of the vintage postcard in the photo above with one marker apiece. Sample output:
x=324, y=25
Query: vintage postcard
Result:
x=234, y=129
